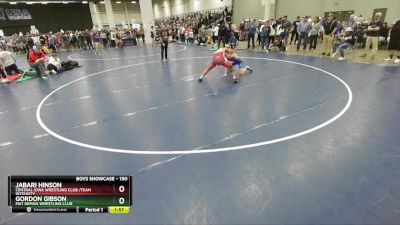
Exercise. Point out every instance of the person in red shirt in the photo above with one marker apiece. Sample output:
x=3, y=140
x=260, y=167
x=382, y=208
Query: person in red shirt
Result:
x=36, y=60
x=57, y=40
x=47, y=40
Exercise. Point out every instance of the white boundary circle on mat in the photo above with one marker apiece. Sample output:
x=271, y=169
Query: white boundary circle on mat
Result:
x=193, y=151
x=133, y=57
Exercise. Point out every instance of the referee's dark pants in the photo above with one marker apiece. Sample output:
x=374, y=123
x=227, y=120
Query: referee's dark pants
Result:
x=223, y=39
x=164, y=50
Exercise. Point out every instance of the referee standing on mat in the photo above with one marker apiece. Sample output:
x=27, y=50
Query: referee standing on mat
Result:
x=164, y=42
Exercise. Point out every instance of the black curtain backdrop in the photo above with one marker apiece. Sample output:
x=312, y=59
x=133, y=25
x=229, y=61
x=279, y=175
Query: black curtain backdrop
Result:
x=50, y=17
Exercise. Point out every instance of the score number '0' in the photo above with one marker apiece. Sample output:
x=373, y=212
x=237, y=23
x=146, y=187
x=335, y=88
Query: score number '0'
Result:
x=121, y=200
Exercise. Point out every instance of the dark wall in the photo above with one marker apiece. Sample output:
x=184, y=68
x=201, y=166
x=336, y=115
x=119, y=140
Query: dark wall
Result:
x=50, y=17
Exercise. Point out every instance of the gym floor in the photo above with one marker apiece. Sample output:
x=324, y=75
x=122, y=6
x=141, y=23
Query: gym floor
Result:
x=301, y=140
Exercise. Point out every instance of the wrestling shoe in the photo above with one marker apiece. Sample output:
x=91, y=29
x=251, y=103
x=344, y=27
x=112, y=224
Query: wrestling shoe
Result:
x=5, y=80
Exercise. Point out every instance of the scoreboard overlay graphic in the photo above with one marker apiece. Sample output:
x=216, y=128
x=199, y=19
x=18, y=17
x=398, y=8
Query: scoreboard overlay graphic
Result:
x=70, y=194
